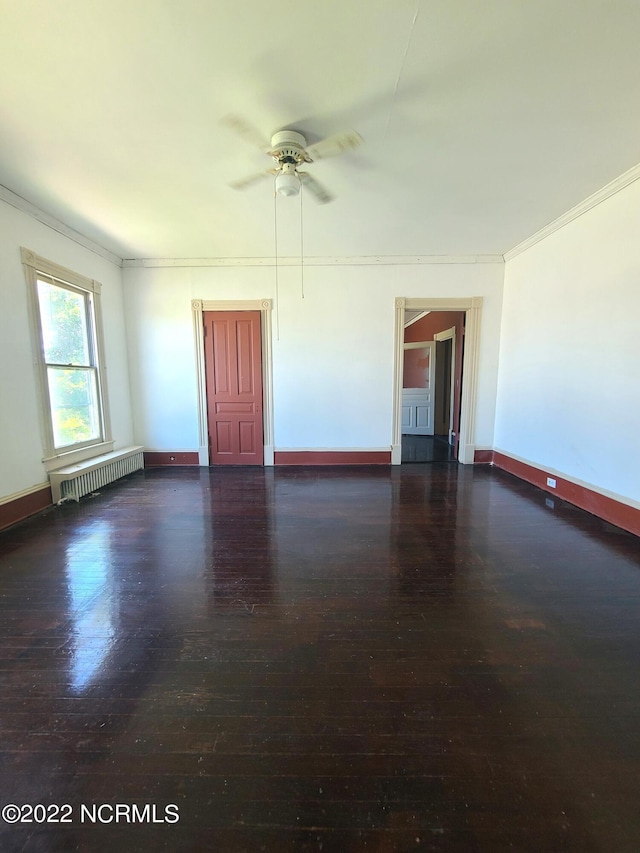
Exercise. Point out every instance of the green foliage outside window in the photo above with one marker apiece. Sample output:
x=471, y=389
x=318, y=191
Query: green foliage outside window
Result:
x=70, y=372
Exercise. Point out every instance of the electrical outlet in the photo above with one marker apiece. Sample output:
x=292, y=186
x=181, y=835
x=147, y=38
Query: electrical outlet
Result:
x=551, y=482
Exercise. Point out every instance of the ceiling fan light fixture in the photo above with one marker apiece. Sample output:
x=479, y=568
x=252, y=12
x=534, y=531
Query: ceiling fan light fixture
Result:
x=287, y=183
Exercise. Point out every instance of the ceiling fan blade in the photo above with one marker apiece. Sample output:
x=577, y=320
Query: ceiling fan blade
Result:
x=334, y=145
x=315, y=188
x=245, y=130
x=243, y=183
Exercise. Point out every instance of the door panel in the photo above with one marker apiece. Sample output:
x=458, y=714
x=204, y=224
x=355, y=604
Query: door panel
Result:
x=223, y=437
x=417, y=393
x=417, y=412
x=247, y=437
x=232, y=346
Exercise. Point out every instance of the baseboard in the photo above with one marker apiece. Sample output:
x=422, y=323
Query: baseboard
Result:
x=483, y=457
x=332, y=457
x=15, y=509
x=159, y=458
x=169, y=458
x=606, y=507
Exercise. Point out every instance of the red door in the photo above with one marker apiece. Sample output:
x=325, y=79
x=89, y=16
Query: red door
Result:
x=233, y=362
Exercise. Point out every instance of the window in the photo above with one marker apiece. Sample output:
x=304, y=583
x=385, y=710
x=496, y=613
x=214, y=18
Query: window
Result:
x=67, y=337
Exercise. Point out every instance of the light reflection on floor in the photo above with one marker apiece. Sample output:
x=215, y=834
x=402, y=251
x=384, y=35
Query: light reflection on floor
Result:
x=94, y=603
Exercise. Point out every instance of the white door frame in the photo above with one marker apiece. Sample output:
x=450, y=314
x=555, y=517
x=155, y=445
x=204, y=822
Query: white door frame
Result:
x=473, y=308
x=450, y=335
x=264, y=306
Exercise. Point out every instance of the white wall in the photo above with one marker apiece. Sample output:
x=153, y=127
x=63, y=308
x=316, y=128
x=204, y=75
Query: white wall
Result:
x=569, y=387
x=332, y=350
x=21, y=447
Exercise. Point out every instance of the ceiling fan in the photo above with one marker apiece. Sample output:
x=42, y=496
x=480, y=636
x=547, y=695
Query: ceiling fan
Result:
x=289, y=150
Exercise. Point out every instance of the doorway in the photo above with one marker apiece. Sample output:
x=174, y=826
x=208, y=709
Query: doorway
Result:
x=460, y=357
x=431, y=386
x=264, y=308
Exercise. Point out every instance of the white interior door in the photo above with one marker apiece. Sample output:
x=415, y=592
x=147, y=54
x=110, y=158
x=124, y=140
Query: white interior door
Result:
x=418, y=387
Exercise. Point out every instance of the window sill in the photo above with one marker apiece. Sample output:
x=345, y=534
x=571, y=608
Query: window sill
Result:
x=71, y=457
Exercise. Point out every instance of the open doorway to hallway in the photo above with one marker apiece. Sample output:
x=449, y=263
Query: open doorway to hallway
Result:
x=426, y=448
x=433, y=350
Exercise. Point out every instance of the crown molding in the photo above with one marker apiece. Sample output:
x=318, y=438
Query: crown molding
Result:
x=363, y=260
x=585, y=206
x=32, y=210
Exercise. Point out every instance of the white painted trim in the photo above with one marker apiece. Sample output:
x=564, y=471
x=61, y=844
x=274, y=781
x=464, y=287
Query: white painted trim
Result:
x=264, y=306
x=417, y=344
x=442, y=303
x=468, y=401
x=450, y=335
x=398, y=368
x=81, y=454
x=446, y=335
x=473, y=309
x=363, y=260
x=198, y=342
x=415, y=319
x=49, y=268
x=35, y=265
x=615, y=186
x=554, y=472
x=24, y=493
x=35, y=212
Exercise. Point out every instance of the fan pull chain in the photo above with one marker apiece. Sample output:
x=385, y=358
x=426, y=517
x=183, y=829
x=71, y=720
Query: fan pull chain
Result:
x=301, y=244
x=275, y=241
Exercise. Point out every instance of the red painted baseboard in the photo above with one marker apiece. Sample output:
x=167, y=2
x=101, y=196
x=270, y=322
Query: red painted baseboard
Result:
x=21, y=508
x=483, y=457
x=608, y=509
x=332, y=457
x=156, y=458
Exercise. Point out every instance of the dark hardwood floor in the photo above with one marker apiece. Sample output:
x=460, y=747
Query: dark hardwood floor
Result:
x=426, y=448
x=373, y=659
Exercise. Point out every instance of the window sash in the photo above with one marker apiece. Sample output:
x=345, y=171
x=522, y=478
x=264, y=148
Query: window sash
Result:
x=74, y=405
x=86, y=329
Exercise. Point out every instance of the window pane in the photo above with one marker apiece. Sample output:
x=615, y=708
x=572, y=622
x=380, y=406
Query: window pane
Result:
x=74, y=405
x=64, y=325
x=416, y=368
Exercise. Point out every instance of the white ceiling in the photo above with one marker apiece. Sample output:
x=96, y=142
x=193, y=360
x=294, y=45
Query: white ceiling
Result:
x=483, y=121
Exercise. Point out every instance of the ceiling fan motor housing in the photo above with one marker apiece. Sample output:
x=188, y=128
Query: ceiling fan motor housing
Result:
x=287, y=146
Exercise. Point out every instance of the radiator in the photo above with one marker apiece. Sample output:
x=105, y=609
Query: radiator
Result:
x=74, y=482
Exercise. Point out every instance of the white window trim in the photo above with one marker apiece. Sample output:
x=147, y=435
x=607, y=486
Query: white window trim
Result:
x=53, y=459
